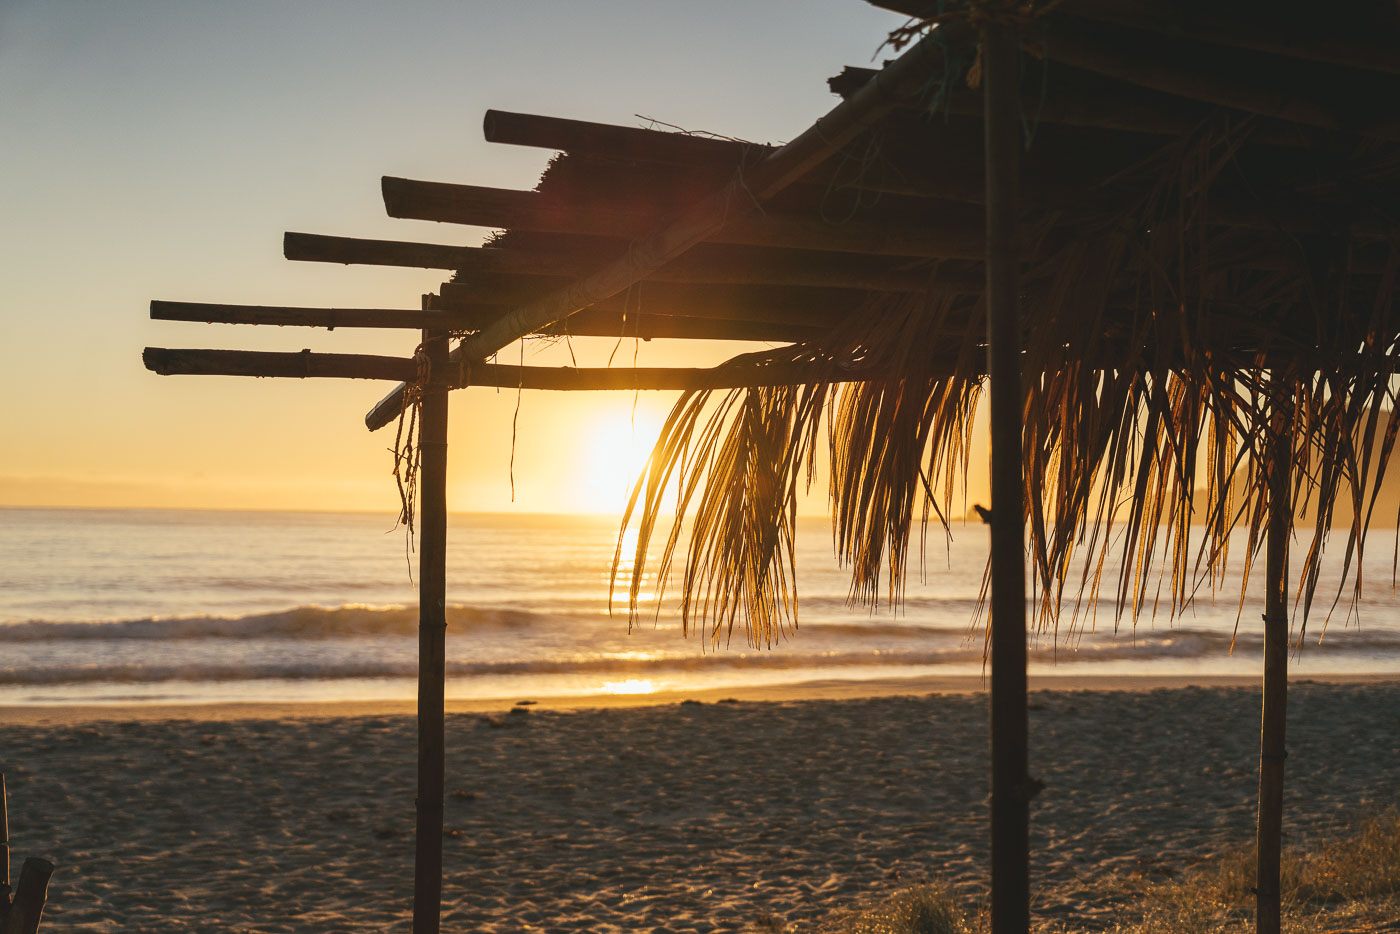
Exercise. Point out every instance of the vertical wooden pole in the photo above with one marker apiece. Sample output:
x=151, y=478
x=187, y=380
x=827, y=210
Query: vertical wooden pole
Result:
x=4, y=845
x=1273, y=721
x=1010, y=775
x=432, y=635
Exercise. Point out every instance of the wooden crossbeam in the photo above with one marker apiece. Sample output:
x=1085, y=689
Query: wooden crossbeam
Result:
x=352, y=251
x=172, y=361
x=904, y=77
x=605, y=322
x=306, y=317
x=705, y=263
x=954, y=234
x=733, y=375
x=764, y=304
x=618, y=143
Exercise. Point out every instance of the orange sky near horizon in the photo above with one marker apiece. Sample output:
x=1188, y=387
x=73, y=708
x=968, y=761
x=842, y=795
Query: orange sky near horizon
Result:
x=157, y=149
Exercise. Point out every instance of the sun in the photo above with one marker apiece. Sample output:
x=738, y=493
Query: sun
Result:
x=616, y=447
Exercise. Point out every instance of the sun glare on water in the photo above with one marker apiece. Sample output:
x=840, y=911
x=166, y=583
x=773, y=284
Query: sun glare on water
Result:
x=630, y=686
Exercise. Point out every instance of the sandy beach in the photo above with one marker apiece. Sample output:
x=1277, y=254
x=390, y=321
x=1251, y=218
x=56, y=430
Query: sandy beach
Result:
x=700, y=816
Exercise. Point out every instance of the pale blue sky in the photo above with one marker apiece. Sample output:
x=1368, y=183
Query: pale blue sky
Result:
x=158, y=149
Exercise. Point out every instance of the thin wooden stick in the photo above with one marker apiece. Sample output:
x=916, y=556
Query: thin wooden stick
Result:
x=1011, y=787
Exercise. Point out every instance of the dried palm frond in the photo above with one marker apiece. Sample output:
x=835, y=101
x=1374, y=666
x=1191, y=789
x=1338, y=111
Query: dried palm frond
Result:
x=1165, y=369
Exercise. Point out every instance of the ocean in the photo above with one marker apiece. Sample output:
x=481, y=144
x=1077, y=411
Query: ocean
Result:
x=154, y=606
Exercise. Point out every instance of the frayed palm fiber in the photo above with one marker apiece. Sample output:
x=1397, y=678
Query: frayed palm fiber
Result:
x=1161, y=361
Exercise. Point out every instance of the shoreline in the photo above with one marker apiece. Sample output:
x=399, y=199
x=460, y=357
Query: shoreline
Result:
x=831, y=689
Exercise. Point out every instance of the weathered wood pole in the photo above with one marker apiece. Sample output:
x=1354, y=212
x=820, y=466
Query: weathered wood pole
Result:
x=432, y=636
x=1273, y=721
x=31, y=894
x=1010, y=775
x=4, y=845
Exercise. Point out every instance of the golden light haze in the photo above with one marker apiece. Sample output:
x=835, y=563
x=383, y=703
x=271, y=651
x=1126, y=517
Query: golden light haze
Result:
x=158, y=149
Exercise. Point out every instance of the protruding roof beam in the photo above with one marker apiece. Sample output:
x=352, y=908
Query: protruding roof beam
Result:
x=705, y=263
x=608, y=322
x=618, y=143
x=304, y=317
x=954, y=235
x=904, y=77
x=171, y=361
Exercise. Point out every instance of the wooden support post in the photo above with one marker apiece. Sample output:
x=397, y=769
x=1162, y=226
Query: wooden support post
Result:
x=30, y=895
x=4, y=846
x=1011, y=786
x=432, y=632
x=1273, y=720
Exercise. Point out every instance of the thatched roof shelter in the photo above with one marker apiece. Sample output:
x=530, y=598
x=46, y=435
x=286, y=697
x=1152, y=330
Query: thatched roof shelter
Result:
x=1207, y=239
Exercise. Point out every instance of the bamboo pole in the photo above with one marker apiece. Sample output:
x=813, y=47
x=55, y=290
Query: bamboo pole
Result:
x=282, y=315
x=31, y=894
x=617, y=143
x=432, y=633
x=604, y=322
x=1010, y=781
x=791, y=305
x=4, y=846
x=901, y=78
x=703, y=264
x=1274, y=717
x=171, y=361
x=952, y=234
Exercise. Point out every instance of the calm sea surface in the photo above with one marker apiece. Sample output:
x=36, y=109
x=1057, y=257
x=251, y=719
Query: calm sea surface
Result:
x=161, y=606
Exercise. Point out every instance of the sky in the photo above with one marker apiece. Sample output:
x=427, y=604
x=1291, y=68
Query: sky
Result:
x=158, y=149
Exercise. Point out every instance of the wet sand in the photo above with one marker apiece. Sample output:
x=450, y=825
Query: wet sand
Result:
x=704, y=816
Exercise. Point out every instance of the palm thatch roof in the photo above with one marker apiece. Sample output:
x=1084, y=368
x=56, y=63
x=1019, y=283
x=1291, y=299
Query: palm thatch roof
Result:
x=1209, y=277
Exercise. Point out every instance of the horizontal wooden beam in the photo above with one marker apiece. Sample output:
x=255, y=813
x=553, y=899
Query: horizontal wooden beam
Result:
x=954, y=234
x=280, y=315
x=725, y=376
x=351, y=251
x=618, y=143
x=703, y=264
x=178, y=361
x=767, y=304
x=904, y=77
x=609, y=322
